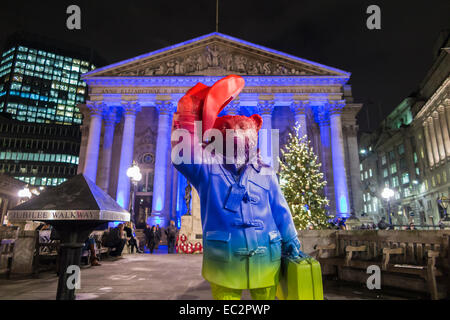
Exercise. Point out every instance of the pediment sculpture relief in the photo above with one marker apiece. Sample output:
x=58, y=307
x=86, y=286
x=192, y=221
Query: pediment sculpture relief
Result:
x=215, y=59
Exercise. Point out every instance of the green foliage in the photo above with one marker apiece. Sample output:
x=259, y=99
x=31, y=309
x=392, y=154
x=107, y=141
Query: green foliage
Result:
x=302, y=183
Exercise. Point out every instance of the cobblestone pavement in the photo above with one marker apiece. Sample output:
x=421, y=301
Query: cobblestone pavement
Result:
x=147, y=277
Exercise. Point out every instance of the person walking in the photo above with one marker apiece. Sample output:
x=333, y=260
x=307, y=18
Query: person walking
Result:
x=147, y=231
x=171, y=233
x=159, y=235
x=152, y=239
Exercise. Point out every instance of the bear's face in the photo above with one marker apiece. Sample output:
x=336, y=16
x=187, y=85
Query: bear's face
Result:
x=244, y=131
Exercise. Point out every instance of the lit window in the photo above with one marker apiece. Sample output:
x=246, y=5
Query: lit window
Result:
x=385, y=172
x=405, y=178
x=395, y=181
x=393, y=168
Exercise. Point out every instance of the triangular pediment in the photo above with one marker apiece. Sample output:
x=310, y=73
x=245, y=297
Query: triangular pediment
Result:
x=215, y=54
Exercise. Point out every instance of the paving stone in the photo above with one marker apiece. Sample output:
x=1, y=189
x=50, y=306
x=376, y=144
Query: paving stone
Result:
x=146, y=277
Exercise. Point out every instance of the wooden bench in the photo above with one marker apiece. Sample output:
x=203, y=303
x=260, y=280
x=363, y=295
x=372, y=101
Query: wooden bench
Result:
x=46, y=252
x=408, y=253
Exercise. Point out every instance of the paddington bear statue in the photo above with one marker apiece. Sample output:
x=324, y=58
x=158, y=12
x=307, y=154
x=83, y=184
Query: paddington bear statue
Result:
x=246, y=221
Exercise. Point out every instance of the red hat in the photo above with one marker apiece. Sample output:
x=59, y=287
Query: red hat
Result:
x=218, y=96
x=203, y=102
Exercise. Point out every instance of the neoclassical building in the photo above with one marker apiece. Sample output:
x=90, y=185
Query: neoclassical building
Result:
x=129, y=113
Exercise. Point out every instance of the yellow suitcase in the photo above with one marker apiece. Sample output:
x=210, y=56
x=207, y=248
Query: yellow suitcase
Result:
x=300, y=279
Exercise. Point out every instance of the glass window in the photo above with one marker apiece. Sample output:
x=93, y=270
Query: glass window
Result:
x=383, y=159
x=393, y=168
x=391, y=155
x=394, y=181
x=385, y=172
x=405, y=178
x=401, y=149
x=406, y=192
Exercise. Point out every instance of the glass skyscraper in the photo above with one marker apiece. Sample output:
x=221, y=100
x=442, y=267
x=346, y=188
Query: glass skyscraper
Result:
x=40, y=88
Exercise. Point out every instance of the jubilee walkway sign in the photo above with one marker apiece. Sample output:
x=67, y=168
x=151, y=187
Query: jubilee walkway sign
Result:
x=74, y=208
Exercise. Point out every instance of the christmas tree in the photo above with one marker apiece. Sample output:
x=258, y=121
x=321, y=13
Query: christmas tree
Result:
x=302, y=183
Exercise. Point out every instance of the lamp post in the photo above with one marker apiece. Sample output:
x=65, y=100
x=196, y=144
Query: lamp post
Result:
x=388, y=194
x=134, y=173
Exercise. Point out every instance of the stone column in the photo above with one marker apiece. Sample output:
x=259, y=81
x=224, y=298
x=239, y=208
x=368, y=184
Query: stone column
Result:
x=355, y=178
x=440, y=140
x=337, y=151
x=323, y=120
x=108, y=138
x=444, y=129
x=232, y=109
x=93, y=146
x=130, y=108
x=159, y=212
x=433, y=139
x=447, y=111
x=265, y=109
x=428, y=146
x=299, y=108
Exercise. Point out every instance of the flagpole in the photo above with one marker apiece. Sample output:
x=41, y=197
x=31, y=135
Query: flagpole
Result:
x=217, y=15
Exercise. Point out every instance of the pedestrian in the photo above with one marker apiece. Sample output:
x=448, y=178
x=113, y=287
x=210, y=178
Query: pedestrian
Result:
x=382, y=225
x=116, y=240
x=147, y=231
x=131, y=237
x=411, y=226
x=152, y=239
x=341, y=224
x=159, y=234
x=89, y=245
x=171, y=233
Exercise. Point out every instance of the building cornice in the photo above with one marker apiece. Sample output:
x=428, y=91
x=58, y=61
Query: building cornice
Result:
x=189, y=81
x=436, y=99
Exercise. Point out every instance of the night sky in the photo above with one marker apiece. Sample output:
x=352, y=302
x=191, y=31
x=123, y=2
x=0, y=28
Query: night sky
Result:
x=386, y=65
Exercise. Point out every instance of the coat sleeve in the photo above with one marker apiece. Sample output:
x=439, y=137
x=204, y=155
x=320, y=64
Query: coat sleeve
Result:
x=280, y=210
x=191, y=164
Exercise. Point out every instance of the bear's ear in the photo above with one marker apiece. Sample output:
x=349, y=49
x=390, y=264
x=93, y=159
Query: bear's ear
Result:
x=258, y=121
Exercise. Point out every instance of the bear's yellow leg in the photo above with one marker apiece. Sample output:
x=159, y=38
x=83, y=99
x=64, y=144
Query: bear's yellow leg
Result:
x=268, y=293
x=223, y=293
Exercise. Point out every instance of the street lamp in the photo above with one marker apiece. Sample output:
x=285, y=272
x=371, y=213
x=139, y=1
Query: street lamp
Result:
x=24, y=193
x=134, y=173
x=388, y=194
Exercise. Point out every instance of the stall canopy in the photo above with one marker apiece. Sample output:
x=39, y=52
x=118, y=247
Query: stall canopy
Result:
x=76, y=199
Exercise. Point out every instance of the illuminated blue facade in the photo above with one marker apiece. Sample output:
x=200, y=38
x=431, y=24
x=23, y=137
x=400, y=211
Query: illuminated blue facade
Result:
x=142, y=94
